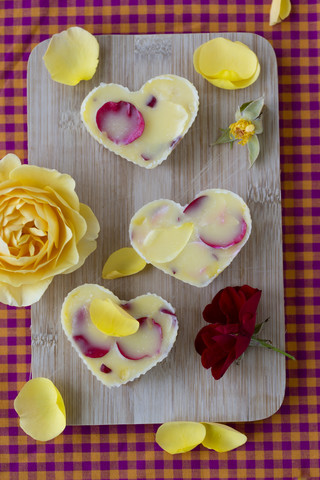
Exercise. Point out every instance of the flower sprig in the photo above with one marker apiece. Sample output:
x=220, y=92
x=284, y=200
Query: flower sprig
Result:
x=232, y=329
x=247, y=125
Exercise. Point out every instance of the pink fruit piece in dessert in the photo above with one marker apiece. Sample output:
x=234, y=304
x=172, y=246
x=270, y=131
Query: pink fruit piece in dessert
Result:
x=126, y=306
x=152, y=101
x=105, y=369
x=146, y=342
x=88, y=349
x=80, y=318
x=175, y=142
x=120, y=121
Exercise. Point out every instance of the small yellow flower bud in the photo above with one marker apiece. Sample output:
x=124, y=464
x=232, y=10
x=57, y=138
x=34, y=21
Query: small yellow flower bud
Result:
x=242, y=130
x=250, y=128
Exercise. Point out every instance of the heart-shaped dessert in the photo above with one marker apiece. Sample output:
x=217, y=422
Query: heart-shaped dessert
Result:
x=91, y=312
x=193, y=243
x=143, y=126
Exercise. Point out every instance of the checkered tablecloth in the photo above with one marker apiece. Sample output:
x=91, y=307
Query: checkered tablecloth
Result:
x=285, y=446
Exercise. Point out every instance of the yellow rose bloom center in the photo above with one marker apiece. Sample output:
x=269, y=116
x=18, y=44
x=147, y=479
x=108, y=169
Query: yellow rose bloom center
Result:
x=22, y=233
x=242, y=130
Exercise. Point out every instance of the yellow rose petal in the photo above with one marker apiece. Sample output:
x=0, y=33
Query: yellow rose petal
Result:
x=23, y=295
x=34, y=176
x=9, y=163
x=123, y=262
x=111, y=319
x=220, y=55
x=222, y=83
x=164, y=244
x=229, y=85
x=180, y=437
x=41, y=409
x=222, y=438
x=87, y=244
x=196, y=56
x=280, y=9
x=72, y=56
x=248, y=81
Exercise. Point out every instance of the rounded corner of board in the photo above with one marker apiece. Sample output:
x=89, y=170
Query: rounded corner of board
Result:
x=39, y=49
x=275, y=408
x=266, y=42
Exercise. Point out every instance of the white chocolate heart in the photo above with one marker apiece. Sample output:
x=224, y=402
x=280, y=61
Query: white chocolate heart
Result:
x=143, y=126
x=118, y=360
x=221, y=226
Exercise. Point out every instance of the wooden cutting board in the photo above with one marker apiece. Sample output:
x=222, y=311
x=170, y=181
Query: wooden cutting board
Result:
x=179, y=388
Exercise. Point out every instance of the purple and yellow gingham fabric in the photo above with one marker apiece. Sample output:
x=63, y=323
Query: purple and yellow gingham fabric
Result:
x=285, y=446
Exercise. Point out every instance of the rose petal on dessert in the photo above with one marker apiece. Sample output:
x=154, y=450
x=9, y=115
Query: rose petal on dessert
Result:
x=120, y=121
x=164, y=244
x=223, y=232
x=280, y=9
x=41, y=409
x=146, y=342
x=219, y=54
x=196, y=204
x=121, y=263
x=89, y=349
x=180, y=437
x=111, y=319
x=72, y=56
x=222, y=438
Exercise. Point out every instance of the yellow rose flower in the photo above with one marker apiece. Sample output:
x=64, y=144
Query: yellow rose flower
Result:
x=44, y=230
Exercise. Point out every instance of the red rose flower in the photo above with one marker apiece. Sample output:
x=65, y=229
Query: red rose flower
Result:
x=232, y=318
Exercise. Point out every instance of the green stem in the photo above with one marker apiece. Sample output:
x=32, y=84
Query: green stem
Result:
x=271, y=347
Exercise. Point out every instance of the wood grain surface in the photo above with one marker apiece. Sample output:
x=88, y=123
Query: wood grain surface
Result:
x=179, y=388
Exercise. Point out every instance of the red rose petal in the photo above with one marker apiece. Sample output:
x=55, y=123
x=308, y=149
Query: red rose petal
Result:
x=199, y=344
x=241, y=345
x=230, y=303
x=248, y=291
x=247, y=314
x=220, y=359
x=212, y=312
x=230, y=329
x=220, y=369
x=120, y=121
x=215, y=358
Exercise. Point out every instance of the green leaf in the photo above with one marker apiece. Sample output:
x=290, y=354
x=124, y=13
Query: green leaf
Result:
x=224, y=138
x=254, y=149
x=252, y=110
x=238, y=114
x=259, y=326
x=244, y=105
x=258, y=125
